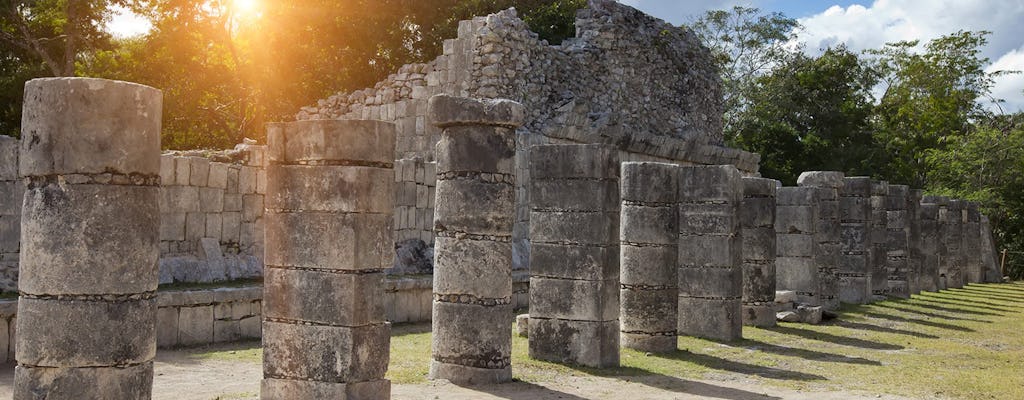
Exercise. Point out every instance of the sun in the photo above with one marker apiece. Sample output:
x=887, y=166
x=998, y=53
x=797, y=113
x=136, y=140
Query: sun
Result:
x=246, y=7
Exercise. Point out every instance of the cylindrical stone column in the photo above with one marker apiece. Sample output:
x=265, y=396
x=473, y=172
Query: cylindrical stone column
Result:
x=649, y=237
x=757, y=221
x=86, y=317
x=796, y=218
x=710, y=254
x=855, y=266
x=827, y=232
x=897, y=241
x=930, y=244
x=574, y=255
x=328, y=222
x=878, y=261
x=972, y=243
x=954, y=240
x=473, y=217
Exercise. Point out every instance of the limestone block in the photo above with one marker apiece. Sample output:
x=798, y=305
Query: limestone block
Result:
x=132, y=382
x=10, y=233
x=575, y=161
x=795, y=219
x=5, y=340
x=252, y=207
x=713, y=219
x=182, y=171
x=231, y=223
x=166, y=170
x=250, y=327
x=646, y=265
x=599, y=228
x=573, y=299
x=472, y=206
x=330, y=188
x=232, y=202
x=710, y=318
x=573, y=195
x=854, y=236
x=467, y=266
x=762, y=316
x=247, y=180
x=653, y=343
x=855, y=208
x=195, y=325
x=714, y=282
x=472, y=149
x=567, y=261
x=324, y=297
x=647, y=182
x=855, y=263
x=211, y=200
x=166, y=327
x=796, y=196
x=85, y=125
x=326, y=353
x=218, y=176
x=711, y=183
x=855, y=289
x=179, y=199
x=95, y=327
x=172, y=226
x=829, y=179
x=214, y=225
x=288, y=389
x=329, y=241
x=199, y=171
x=588, y=343
x=758, y=282
x=232, y=179
x=649, y=310
x=713, y=251
x=448, y=111
x=798, y=274
x=757, y=211
x=9, y=149
x=758, y=243
x=475, y=336
x=331, y=140
x=226, y=330
x=78, y=236
x=195, y=226
x=649, y=225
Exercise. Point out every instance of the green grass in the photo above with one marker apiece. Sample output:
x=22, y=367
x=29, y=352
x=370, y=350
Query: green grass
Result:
x=959, y=343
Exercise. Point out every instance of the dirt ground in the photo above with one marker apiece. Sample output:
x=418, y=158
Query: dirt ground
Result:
x=180, y=376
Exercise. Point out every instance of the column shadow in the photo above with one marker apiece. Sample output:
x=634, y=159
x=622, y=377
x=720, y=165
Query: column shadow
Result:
x=892, y=306
x=826, y=337
x=974, y=296
x=1000, y=295
x=919, y=321
x=738, y=367
x=963, y=303
x=880, y=329
x=948, y=309
x=520, y=390
x=806, y=354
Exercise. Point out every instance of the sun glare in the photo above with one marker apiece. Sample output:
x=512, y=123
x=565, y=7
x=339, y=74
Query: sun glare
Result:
x=246, y=7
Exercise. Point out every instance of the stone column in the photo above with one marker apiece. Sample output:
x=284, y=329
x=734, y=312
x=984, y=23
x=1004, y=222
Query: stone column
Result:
x=649, y=247
x=930, y=245
x=954, y=239
x=12, y=192
x=915, y=257
x=90, y=154
x=796, y=217
x=897, y=241
x=972, y=243
x=827, y=232
x=989, y=254
x=473, y=217
x=329, y=205
x=855, y=267
x=757, y=220
x=574, y=257
x=878, y=262
x=710, y=274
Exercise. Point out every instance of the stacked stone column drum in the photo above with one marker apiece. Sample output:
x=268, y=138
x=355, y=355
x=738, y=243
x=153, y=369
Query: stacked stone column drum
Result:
x=574, y=257
x=953, y=238
x=919, y=279
x=649, y=240
x=855, y=267
x=473, y=218
x=897, y=242
x=972, y=243
x=796, y=216
x=757, y=219
x=931, y=248
x=90, y=224
x=827, y=232
x=876, y=239
x=710, y=274
x=328, y=225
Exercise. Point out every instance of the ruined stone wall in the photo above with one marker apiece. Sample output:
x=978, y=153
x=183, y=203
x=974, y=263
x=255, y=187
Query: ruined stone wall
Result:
x=11, y=193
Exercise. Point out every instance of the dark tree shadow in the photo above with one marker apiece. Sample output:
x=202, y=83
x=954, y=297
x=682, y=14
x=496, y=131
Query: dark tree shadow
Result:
x=964, y=303
x=892, y=306
x=738, y=367
x=797, y=352
x=826, y=337
x=881, y=329
x=920, y=322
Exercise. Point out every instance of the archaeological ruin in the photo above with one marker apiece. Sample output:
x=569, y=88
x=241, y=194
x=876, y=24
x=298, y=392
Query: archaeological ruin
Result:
x=586, y=182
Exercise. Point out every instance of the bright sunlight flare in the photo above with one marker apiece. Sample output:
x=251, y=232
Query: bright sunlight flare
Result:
x=246, y=7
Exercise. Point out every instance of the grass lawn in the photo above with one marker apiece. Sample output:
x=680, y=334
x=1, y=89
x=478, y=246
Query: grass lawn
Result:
x=960, y=343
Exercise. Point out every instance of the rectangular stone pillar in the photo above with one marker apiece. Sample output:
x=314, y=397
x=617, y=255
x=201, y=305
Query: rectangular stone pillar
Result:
x=897, y=242
x=915, y=258
x=473, y=218
x=649, y=250
x=574, y=254
x=930, y=245
x=329, y=205
x=953, y=238
x=89, y=227
x=710, y=275
x=827, y=232
x=757, y=220
x=989, y=254
x=855, y=266
x=972, y=249
x=12, y=192
x=796, y=217
x=878, y=261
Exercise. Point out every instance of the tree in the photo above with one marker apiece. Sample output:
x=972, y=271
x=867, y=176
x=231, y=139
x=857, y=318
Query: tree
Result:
x=813, y=113
x=746, y=44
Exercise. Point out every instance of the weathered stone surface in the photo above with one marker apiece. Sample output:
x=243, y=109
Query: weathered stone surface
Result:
x=9, y=151
x=649, y=225
x=800, y=275
x=710, y=251
x=568, y=261
x=79, y=236
x=446, y=111
x=287, y=389
x=323, y=297
x=329, y=240
x=130, y=383
x=759, y=315
x=649, y=311
x=711, y=282
x=648, y=265
x=522, y=325
x=586, y=343
x=758, y=282
x=574, y=161
x=473, y=335
x=330, y=188
x=573, y=195
x=325, y=353
x=469, y=268
x=474, y=206
x=830, y=179
x=67, y=332
x=710, y=318
x=596, y=228
x=331, y=140
x=85, y=126
x=574, y=299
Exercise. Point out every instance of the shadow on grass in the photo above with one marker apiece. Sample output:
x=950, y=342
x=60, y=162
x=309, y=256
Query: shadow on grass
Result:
x=880, y=329
x=713, y=362
x=991, y=294
x=520, y=390
x=954, y=310
x=965, y=303
x=827, y=337
x=920, y=321
x=802, y=353
x=893, y=306
x=975, y=296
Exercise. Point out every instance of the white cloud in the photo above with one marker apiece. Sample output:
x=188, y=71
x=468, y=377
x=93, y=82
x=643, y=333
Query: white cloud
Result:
x=1010, y=87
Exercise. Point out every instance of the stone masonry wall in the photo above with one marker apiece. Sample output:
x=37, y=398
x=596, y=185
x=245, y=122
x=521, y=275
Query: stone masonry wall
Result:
x=11, y=193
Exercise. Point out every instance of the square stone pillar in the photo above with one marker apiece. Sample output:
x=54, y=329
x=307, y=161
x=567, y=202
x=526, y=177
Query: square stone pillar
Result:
x=972, y=248
x=574, y=257
x=649, y=250
x=878, y=261
x=953, y=238
x=757, y=220
x=796, y=218
x=90, y=155
x=897, y=242
x=473, y=218
x=710, y=274
x=930, y=245
x=827, y=232
x=329, y=205
x=855, y=260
